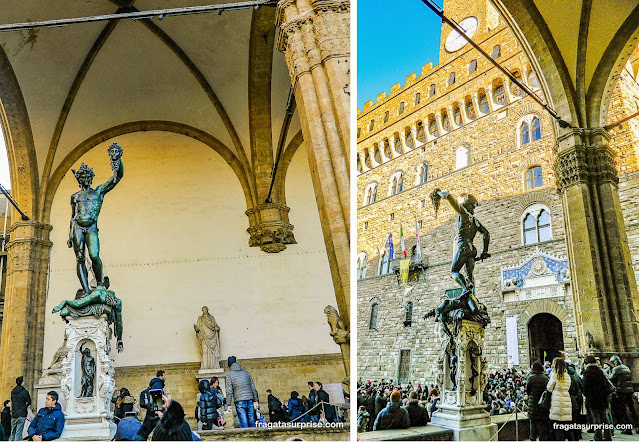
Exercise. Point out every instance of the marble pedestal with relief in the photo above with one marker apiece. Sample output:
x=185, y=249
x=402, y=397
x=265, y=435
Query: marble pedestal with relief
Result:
x=462, y=382
x=88, y=418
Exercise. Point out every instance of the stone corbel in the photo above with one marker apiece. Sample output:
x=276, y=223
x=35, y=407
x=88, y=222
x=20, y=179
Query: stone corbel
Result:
x=269, y=227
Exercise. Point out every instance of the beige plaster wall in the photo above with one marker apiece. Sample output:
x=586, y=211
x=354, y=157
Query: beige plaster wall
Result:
x=173, y=238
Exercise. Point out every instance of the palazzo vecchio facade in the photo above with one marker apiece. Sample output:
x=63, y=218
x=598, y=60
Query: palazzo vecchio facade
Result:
x=463, y=127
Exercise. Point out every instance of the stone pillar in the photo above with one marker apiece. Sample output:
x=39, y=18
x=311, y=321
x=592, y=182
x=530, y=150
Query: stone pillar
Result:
x=402, y=137
x=391, y=143
x=315, y=39
x=24, y=304
x=451, y=118
x=603, y=282
x=438, y=118
x=489, y=99
x=462, y=407
x=413, y=130
x=371, y=153
x=475, y=99
x=88, y=417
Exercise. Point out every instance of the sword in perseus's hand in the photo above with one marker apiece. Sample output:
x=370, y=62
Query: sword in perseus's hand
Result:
x=115, y=153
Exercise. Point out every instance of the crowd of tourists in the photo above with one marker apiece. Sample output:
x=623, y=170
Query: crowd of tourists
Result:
x=164, y=418
x=574, y=394
x=388, y=405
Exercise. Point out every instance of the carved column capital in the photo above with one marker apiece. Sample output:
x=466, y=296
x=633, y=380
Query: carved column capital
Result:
x=269, y=227
x=571, y=168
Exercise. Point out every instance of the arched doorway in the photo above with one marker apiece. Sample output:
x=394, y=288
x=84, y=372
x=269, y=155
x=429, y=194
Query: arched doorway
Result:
x=545, y=337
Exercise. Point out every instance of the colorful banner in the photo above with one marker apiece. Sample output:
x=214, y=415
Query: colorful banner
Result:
x=404, y=265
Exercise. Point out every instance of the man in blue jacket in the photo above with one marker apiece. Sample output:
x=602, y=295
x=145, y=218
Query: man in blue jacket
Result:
x=49, y=422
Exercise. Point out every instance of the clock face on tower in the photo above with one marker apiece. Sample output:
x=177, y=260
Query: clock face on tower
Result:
x=455, y=40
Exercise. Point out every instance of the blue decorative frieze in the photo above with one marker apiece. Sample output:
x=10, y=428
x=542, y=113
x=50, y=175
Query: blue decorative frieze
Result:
x=537, y=269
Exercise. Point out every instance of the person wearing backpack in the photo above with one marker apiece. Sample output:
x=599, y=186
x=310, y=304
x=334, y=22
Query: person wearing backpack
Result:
x=151, y=419
x=207, y=406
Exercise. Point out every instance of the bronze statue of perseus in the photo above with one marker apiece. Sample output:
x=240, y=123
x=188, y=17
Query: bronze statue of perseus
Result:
x=85, y=209
x=466, y=306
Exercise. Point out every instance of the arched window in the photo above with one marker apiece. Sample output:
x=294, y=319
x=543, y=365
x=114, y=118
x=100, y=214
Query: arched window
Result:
x=451, y=78
x=496, y=52
x=409, y=314
x=418, y=98
x=386, y=117
x=462, y=157
x=384, y=266
x=529, y=129
x=445, y=121
x=432, y=90
x=387, y=149
x=533, y=178
x=372, y=125
x=536, y=225
x=359, y=164
x=536, y=129
x=371, y=193
x=472, y=67
x=401, y=107
x=397, y=184
x=372, y=324
x=359, y=132
x=362, y=263
x=524, y=134
x=421, y=136
x=423, y=173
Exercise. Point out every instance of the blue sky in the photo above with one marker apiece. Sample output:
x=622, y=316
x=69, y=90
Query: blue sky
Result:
x=394, y=38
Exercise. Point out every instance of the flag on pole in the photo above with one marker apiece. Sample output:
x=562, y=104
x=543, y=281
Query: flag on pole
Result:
x=418, y=249
x=389, y=246
x=401, y=236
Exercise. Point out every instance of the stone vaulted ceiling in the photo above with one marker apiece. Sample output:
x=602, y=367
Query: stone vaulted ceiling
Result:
x=588, y=41
x=212, y=76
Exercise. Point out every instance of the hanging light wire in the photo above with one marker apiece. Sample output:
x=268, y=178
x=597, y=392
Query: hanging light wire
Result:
x=138, y=15
x=453, y=24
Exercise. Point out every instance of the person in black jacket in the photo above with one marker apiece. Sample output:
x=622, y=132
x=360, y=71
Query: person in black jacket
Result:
x=172, y=425
x=20, y=401
x=322, y=396
x=370, y=407
x=312, y=402
x=207, y=406
x=6, y=419
x=393, y=416
x=535, y=386
x=275, y=412
x=151, y=419
x=381, y=400
x=597, y=390
x=622, y=403
x=416, y=412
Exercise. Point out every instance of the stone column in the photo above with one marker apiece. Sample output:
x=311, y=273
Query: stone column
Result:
x=315, y=39
x=24, y=304
x=603, y=282
x=371, y=153
x=413, y=129
x=475, y=98
x=438, y=118
x=362, y=159
x=402, y=137
x=451, y=118
x=489, y=99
